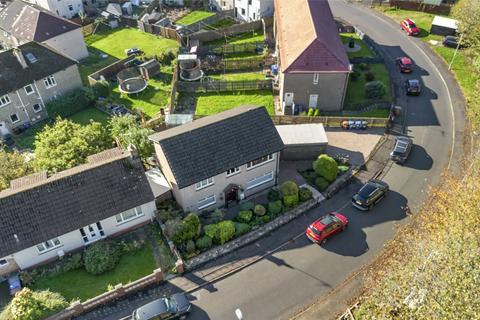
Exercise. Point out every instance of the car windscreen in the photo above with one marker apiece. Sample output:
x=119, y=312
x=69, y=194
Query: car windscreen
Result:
x=314, y=230
x=171, y=305
x=411, y=25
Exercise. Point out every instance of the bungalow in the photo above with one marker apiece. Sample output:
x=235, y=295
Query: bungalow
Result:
x=21, y=22
x=221, y=158
x=30, y=76
x=44, y=217
x=313, y=64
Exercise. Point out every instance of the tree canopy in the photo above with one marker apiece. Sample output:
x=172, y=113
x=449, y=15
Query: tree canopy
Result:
x=66, y=144
x=127, y=131
x=12, y=166
x=467, y=13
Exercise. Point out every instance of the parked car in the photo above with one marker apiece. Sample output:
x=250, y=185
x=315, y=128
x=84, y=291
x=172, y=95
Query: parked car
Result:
x=371, y=193
x=404, y=64
x=451, y=42
x=403, y=146
x=174, y=307
x=133, y=51
x=14, y=284
x=413, y=87
x=409, y=26
x=325, y=227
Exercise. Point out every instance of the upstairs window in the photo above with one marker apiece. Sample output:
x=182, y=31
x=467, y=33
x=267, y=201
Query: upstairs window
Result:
x=259, y=161
x=204, y=183
x=29, y=89
x=49, y=82
x=232, y=171
x=4, y=100
x=129, y=215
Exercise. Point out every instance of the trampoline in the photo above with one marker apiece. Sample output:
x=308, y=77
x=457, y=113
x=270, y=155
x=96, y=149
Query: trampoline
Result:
x=190, y=69
x=130, y=81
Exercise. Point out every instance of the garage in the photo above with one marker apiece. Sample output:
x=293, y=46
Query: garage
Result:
x=444, y=26
x=303, y=141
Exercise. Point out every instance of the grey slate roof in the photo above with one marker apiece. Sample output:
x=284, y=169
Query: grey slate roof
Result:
x=212, y=145
x=13, y=76
x=29, y=22
x=38, y=208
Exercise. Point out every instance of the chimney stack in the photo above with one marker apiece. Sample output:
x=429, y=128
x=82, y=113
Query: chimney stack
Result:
x=20, y=58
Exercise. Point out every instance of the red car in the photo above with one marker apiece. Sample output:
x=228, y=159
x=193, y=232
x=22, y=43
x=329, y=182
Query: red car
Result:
x=410, y=28
x=325, y=227
x=404, y=64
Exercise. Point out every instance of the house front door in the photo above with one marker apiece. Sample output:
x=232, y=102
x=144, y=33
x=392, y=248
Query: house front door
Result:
x=3, y=129
x=92, y=232
x=288, y=99
x=312, y=102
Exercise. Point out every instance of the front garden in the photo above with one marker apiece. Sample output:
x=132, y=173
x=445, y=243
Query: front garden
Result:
x=324, y=171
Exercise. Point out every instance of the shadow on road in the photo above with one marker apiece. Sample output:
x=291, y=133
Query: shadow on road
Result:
x=419, y=159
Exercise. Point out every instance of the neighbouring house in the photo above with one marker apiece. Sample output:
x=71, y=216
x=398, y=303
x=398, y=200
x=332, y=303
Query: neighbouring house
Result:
x=313, y=65
x=222, y=5
x=30, y=76
x=44, y=217
x=252, y=10
x=63, y=8
x=220, y=159
x=21, y=22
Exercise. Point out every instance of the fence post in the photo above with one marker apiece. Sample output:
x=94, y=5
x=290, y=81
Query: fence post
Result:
x=158, y=274
x=119, y=290
x=179, y=266
x=77, y=307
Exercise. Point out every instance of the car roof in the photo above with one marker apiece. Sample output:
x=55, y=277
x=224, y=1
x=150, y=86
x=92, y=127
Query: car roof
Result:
x=320, y=223
x=368, y=188
x=413, y=82
x=409, y=21
x=401, y=145
x=405, y=60
x=152, y=309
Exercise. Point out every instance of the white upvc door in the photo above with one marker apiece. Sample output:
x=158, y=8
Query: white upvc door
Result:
x=92, y=232
x=312, y=102
x=288, y=99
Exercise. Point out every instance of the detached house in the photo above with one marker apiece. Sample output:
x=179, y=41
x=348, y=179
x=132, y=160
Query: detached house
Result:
x=313, y=64
x=252, y=10
x=43, y=217
x=30, y=76
x=21, y=22
x=221, y=158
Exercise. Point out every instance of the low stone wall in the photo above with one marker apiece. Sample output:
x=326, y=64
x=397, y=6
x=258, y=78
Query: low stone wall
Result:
x=340, y=182
x=241, y=241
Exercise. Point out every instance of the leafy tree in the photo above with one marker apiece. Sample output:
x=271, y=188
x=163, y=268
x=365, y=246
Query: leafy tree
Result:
x=12, y=166
x=244, y=216
x=305, y=194
x=128, y=131
x=33, y=305
x=290, y=193
x=241, y=228
x=326, y=167
x=66, y=144
x=275, y=207
x=374, y=90
x=467, y=13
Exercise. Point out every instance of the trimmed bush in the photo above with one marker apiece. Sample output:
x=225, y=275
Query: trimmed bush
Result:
x=289, y=188
x=190, y=248
x=342, y=169
x=316, y=113
x=189, y=230
x=304, y=194
x=326, y=167
x=226, y=230
x=321, y=183
x=355, y=75
x=244, y=216
x=310, y=112
x=100, y=257
x=265, y=218
x=248, y=205
x=217, y=215
x=241, y=229
x=204, y=243
x=273, y=195
x=369, y=76
x=309, y=175
x=69, y=104
x=290, y=200
x=73, y=262
x=260, y=210
x=374, y=89
x=211, y=230
x=275, y=207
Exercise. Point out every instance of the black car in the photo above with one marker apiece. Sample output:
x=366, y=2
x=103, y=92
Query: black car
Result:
x=451, y=42
x=413, y=87
x=402, y=148
x=372, y=192
x=174, y=307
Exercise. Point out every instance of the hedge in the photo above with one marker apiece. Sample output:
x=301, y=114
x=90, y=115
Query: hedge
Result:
x=72, y=103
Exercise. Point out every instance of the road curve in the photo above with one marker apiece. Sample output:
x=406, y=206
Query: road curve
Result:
x=301, y=272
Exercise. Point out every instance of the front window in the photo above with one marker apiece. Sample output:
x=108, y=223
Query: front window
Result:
x=259, y=161
x=206, y=202
x=255, y=182
x=49, y=82
x=37, y=107
x=14, y=118
x=204, y=183
x=29, y=89
x=129, y=215
x=4, y=100
x=48, y=245
x=233, y=171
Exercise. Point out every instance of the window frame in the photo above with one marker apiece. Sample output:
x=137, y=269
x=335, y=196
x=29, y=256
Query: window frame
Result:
x=49, y=82
x=270, y=157
x=199, y=185
x=138, y=213
x=29, y=86
x=316, y=78
x=206, y=205
x=236, y=170
x=2, y=265
x=5, y=98
x=270, y=173
x=16, y=115
x=45, y=245
x=37, y=104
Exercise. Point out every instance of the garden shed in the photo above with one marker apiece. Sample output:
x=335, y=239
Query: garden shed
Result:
x=443, y=26
x=302, y=141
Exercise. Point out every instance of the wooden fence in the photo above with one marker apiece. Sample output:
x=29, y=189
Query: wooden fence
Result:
x=212, y=86
x=216, y=64
x=211, y=35
x=328, y=121
x=197, y=26
x=173, y=92
x=109, y=71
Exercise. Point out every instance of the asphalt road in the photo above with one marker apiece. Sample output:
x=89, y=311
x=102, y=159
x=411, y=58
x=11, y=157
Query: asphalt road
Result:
x=301, y=272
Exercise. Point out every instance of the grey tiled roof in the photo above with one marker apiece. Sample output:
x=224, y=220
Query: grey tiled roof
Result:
x=32, y=23
x=211, y=145
x=40, y=208
x=13, y=76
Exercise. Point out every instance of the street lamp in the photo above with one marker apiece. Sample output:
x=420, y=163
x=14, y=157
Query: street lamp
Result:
x=455, y=53
x=239, y=314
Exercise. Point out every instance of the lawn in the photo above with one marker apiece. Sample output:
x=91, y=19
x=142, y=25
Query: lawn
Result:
x=194, y=16
x=114, y=42
x=80, y=284
x=220, y=24
x=149, y=101
x=93, y=63
x=255, y=36
x=363, y=52
x=356, y=88
x=212, y=102
x=244, y=76
x=26, y=139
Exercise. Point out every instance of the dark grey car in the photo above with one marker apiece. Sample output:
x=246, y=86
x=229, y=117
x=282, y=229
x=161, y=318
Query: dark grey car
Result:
x=403, y=146
x=371, y=193
x=174, y=307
